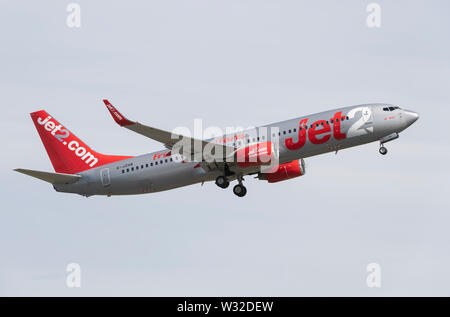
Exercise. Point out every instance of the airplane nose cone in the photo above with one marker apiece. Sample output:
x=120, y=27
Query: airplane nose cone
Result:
x=410, y=117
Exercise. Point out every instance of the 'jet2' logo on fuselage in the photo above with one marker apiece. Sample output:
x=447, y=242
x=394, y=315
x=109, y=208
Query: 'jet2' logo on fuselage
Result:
x=320, y=131
x=73, y=145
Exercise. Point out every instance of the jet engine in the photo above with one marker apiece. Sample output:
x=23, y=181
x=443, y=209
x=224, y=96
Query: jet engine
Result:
x=284, y=171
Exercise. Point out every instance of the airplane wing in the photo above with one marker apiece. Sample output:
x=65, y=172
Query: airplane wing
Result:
x=167, y=138
x=52, y=178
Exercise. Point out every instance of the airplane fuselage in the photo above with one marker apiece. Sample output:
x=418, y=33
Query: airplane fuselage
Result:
x=298, y=138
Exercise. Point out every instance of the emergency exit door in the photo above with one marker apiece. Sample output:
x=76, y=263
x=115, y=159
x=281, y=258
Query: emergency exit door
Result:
x=104, y=175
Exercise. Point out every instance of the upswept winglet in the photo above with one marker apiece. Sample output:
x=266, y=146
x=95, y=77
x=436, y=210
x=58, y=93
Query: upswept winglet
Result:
x=117, y=116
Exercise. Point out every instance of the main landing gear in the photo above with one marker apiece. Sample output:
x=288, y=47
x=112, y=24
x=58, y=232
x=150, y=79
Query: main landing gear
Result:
x=383, y=150
x=222, y=182
x=239, y=189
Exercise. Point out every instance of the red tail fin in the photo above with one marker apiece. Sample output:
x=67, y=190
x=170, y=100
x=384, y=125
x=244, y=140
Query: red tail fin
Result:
x=68, y=154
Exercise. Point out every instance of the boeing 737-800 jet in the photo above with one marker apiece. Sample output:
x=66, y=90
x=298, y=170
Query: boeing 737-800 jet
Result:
x=273, y=152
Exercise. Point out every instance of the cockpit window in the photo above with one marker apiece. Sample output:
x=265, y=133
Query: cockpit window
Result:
x=390, y=108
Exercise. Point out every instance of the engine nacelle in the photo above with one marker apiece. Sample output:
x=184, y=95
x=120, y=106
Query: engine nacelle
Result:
x=284, y=171
x=255, y=155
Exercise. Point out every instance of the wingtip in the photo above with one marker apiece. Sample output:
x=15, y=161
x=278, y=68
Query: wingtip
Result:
x=117, y=116
x=20, y=170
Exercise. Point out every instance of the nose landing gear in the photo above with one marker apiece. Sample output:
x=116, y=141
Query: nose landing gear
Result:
x=383, y=150
x=387, y=138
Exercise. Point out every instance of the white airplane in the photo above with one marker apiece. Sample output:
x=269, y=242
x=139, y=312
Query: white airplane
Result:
x=273, y=152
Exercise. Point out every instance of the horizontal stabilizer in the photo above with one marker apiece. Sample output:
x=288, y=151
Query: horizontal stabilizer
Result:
x=52, y=178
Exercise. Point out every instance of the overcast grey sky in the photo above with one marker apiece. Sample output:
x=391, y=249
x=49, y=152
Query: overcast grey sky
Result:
x=231, y=63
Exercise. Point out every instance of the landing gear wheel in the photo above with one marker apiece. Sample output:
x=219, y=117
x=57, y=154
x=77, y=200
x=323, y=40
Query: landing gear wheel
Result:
x=239, y=190
x=222, y=182
x=383, y=150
